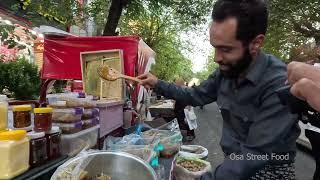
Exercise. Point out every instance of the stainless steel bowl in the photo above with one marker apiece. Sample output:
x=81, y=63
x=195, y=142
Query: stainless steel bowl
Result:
x=118, y=166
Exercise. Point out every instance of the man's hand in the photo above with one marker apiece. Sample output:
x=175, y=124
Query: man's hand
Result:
x=299, y=70
x=148, y=80
x=305, y=82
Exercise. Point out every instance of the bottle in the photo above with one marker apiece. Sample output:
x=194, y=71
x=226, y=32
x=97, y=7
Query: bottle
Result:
x=3, y=112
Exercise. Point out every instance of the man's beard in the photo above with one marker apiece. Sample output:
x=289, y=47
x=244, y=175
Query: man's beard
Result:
x=236, y=69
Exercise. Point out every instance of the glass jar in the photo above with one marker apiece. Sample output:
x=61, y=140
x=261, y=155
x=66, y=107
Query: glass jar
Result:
x=38, y=148
x=42, y=119
x=21, y=116
x=3, y=112
x=53, y=143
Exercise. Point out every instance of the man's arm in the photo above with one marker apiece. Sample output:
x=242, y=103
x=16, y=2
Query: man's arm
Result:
x=203, y=94
x=299, y=70
x=267, y=134
x=308, y=91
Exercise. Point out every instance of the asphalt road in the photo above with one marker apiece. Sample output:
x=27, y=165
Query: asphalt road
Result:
x=209, y=132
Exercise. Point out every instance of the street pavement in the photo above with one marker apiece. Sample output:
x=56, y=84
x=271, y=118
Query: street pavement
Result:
x=208, y=135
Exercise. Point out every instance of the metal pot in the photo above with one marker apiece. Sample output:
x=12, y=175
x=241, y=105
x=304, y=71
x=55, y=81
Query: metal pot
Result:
x=117, y=165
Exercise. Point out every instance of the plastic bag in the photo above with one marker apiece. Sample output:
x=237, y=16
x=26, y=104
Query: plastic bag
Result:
x=170, y=137
x=144, y=148
x=114, y=143
x=190, y=168
x=74, y=170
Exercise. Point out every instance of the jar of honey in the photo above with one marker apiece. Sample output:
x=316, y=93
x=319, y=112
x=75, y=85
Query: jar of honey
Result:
x=42, y=119
x=21, y=116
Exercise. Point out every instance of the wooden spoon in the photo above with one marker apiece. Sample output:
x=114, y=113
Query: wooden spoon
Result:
x=111, y=74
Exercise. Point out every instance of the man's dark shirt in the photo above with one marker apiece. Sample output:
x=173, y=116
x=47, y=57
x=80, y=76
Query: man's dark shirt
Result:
x=254, y=120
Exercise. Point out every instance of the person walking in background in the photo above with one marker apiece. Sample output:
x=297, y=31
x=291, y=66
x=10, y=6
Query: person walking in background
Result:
x=180, y=115
x=193, y=86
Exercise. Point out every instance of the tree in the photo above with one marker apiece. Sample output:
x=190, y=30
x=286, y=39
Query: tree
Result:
x=187, y=12
x=292, y=23
x=159, y=30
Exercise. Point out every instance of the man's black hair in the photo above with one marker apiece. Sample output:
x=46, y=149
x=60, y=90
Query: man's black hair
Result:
x=251, y=15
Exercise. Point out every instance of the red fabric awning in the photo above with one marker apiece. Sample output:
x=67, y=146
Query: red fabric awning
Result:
x=62, y=54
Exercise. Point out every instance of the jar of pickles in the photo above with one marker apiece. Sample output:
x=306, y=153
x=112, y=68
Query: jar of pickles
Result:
x=38, y=148
x=42, y=119
x=53, y=142
x=21, y=116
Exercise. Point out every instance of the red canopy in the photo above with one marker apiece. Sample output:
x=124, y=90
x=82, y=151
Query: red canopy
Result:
x=62, y=54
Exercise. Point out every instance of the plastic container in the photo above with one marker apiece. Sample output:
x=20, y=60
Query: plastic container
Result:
x=38, y=148
x=42, y=119
x=3, y=112
x=58, y=104
x=90, y=113
x=53, y=143
x=78, y=102
x=21, y=116
x=90, y=123
x=69, y=128
x=14, y=153
x=72, y=144
x=67, y=115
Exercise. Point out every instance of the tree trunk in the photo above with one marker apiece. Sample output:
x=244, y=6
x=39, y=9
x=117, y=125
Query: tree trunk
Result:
x=114, y=15
x=317, y=39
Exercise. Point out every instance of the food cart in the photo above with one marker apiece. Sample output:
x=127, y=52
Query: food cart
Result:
x=62, y=60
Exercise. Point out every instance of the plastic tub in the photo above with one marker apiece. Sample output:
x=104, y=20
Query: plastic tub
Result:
x=90, y=113
x=90, y=123
x=72, y=144
x=14, y=153
x=69, y=128
x=67, y=115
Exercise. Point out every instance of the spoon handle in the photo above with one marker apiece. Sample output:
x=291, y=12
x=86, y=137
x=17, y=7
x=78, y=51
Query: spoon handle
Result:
x=131, y=78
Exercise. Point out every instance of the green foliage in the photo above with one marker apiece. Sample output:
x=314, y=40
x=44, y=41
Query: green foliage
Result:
x=292, y=23
x=21, y=78
x=159, y=31
x=210, y=67
x=66, y=12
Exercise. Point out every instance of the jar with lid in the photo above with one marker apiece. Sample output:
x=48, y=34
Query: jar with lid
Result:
x=3, y=112
x=14, y=153
x=38, y=148
x=42, y=119
x=53, y=143
x=21, y=116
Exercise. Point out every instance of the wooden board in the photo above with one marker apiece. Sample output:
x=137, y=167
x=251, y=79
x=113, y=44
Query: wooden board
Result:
x=92, y=83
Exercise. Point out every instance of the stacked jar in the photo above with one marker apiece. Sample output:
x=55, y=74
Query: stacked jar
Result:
x=42, y=144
